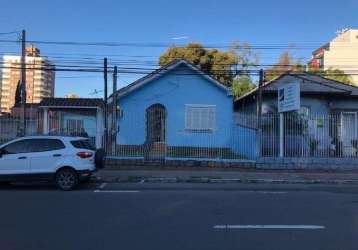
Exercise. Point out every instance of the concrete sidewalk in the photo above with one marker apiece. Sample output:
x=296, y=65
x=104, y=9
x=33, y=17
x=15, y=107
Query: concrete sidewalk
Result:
x=226, y=176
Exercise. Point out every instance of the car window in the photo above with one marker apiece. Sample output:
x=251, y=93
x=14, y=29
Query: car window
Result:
x=18, y=147
x=43, y=145
x=83, y=144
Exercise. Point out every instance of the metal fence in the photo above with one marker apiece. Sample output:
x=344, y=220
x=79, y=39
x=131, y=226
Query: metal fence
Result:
x=157, y=135
x=302, y=135
x=11, y=128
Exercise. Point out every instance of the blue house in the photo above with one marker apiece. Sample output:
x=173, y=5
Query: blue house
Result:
x=176, y=112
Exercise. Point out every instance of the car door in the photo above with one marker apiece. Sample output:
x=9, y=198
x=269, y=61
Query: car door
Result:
x=46, y=155
x=15, y=157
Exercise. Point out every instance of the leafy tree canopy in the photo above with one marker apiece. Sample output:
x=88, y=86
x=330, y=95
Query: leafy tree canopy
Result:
x=18, y=94
x=286, y=62
x=242, y=85
x=222, y=65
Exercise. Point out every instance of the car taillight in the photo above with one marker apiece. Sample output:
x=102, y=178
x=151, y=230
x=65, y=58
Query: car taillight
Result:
x=84, y=154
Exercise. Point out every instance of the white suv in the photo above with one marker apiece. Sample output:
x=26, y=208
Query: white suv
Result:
x=64, y=160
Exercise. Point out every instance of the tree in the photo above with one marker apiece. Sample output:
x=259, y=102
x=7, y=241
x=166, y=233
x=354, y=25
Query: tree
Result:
x=242, y=85
x=333, y=74
x=285, y=63
x=222, y=65
x=18, y=96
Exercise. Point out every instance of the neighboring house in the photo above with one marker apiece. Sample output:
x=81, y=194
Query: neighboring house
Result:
x=326, y=123
x=176, y=111
x=73, y=116
x=341, y=53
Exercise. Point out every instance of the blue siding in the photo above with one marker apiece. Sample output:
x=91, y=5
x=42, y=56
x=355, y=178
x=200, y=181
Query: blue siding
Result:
x=174, y=90
x=244, y=141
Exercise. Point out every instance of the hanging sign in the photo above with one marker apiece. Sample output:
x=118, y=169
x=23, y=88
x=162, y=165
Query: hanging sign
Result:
x=289, y=97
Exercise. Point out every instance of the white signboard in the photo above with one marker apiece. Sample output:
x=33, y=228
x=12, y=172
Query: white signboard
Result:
x=289, y=97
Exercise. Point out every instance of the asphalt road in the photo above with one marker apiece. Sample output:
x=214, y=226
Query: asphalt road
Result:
x=179, y=216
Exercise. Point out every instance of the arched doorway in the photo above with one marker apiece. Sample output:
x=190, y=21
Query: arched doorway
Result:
x=156, y=124
x=155, y=133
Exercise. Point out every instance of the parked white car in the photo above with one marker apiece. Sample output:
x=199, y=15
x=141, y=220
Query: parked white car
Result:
x=64, y=160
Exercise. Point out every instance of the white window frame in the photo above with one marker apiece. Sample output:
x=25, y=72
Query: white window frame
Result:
x=201, y=128
x=76, y=126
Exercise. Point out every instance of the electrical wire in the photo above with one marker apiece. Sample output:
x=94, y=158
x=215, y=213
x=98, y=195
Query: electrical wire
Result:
x=161, y=45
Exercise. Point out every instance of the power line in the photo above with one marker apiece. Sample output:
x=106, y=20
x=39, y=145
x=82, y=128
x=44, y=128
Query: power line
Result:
x=161, y=45
x=93, y=64
x=137, y=70
x=10, y=33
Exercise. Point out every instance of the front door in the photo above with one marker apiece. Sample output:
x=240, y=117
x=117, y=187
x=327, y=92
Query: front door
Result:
x=349, y=132
x=15, y=158
x=156, y=119
x=156, y=132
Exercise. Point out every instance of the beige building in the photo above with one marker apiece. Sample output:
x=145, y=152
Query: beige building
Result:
x=40, y=79
x=341, y=53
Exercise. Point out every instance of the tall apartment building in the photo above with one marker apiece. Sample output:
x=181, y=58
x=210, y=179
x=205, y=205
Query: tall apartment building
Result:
x=341, y=53
x=40, y=82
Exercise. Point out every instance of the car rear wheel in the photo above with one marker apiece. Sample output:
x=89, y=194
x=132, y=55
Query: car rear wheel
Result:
x=66, y=179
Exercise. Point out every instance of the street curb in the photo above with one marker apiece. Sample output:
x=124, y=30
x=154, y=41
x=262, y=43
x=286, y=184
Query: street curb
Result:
x=138, y=179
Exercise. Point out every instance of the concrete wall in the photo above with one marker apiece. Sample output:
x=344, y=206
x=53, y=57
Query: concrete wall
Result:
x=298, y=163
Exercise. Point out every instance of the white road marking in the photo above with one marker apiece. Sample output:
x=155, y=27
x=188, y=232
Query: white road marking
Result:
x=263, y=192
x=116, y=191
x=103, y=185
x=307, y=227
x=270, y=192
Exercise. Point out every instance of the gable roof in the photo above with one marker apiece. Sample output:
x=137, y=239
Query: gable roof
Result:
x=71, y=102
x=310, y=84
x=164, y=70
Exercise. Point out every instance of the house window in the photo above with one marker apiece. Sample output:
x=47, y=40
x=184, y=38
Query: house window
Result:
x=200, y=117
x=74, y=127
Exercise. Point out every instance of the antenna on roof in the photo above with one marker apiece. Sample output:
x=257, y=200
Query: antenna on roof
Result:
x=341, y=31
x=95, y=92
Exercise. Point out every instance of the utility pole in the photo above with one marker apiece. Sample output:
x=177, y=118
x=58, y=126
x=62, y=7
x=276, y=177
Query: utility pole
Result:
x=23, y=82
x=259, y=112
x=105, y=141
x=114, y=111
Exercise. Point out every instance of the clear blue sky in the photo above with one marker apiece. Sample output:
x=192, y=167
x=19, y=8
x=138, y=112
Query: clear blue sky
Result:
x=205, y=21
